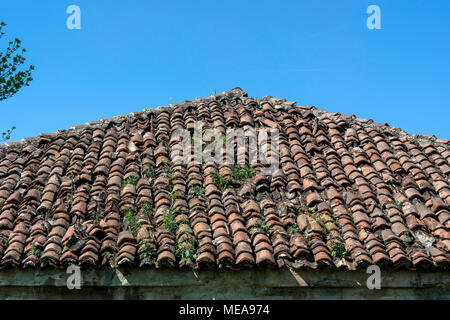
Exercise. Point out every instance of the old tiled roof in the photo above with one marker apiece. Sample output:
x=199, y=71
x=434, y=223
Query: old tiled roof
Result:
x=350, y=193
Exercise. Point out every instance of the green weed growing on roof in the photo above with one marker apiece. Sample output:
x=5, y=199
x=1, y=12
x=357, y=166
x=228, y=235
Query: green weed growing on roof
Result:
x=98, y=214
x=33, y=249
x=240, y=173
x=260, y=224
x=237, y=173
x=307, y=238
x=293, y=228
x=169, y=221
x=176, y=194
x=338, y=249
x=197, y=192
x=131, y=222
x=220, y=181
x=148, y=172
x=407, y=238
x=132, y=179
x=145, y=249
x=147, y=207
x=186, y=251
x=399, y=204
x=166, y=168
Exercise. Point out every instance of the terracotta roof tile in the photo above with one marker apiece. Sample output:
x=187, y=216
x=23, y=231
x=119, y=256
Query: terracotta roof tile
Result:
x=348, y=193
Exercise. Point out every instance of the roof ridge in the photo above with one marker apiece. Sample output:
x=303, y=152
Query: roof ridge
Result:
x=235, y=93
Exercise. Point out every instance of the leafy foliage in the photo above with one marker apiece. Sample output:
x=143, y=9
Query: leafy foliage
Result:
x=132, y=179
x=98, y=214
x=239, y=173
x=260, y=224
x=169, y=221
x=176, y=194
x=7, y=135
x=131, y=222
x=338, y=249
x=148, y=172
x=407, y=238
x=220, y=181
x=11, y=78
x=147, y=207
x=197, y=192
x=186, y=251
x=293, y=228
x=146, y=250
x=33, y=249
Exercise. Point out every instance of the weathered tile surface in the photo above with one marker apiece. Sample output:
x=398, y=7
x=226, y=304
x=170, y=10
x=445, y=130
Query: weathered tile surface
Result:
x=108, y=193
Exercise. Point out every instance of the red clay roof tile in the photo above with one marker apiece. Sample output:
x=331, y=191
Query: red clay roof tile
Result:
x=348, y=192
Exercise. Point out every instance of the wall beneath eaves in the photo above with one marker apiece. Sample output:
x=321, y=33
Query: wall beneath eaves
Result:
x=224, y=284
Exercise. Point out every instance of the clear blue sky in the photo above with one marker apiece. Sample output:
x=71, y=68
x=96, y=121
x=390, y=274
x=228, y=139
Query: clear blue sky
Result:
x=131, y=55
